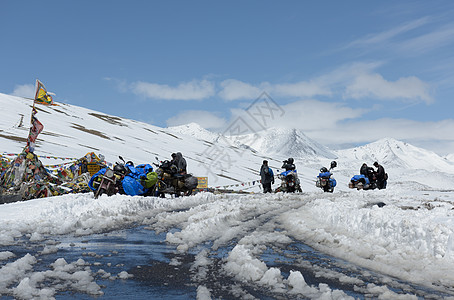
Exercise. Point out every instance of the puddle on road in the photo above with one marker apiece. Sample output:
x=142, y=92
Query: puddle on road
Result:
x=145, y=255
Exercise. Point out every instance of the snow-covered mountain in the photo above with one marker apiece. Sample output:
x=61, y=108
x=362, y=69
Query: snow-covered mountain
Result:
x=285, y=142
x=273, y=141
x=450, y=157
x=71, y=132
x=196, y=131
x=399, y=155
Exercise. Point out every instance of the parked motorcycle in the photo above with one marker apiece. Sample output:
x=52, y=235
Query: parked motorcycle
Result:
x=290, y=182
x=362, y=182
x=171, y=182
x=325, y=179
x=108, y=180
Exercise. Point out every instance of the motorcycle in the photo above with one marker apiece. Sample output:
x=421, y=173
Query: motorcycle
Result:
x=325, y=181
x=125, y=179
x=171, y=182
x=290, y=182
x=362, y=182
x=108, y=180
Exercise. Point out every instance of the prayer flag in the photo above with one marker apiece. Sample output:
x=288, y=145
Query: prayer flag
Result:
x=36, y=128
x=41, y=95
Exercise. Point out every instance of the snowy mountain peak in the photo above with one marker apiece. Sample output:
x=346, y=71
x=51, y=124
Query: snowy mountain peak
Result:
x=285, y=142
x=450, y=157
x=190, y=127
x=398, y=154
x=196, y=131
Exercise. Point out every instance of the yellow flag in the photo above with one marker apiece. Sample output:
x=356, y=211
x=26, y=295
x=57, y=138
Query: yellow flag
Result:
x=41, y=95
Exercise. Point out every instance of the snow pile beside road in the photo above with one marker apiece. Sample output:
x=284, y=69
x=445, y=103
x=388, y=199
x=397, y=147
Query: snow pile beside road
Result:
x=410, y=238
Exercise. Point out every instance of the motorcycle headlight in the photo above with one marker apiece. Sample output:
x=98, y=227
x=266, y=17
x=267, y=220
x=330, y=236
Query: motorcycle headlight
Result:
x=109, y=173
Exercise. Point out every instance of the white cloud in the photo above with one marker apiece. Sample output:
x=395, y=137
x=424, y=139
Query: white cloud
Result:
x=25, y=90
x=307, y=115
x=192, y=90
x=301, y=89
x=122, y=85
x=427, y=42
x=233, y=89
x=356, y=80
x=375, y=86
x=316, y=115
x=406, y=40
x=428, y=134
x=383, y=38
x=207, y=120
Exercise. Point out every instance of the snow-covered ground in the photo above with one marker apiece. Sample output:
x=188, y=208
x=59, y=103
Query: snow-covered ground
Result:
x=410, y=239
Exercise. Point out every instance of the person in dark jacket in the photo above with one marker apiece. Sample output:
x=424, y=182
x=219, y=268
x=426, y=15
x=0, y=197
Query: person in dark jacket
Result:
x=267, y=177
x=364, y=170
x=288, y=164
x=381, y=176
x=367, y=171
x=179, y=161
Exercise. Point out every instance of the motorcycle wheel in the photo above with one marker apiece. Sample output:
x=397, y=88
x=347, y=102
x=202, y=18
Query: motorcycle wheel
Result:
x=111, y=192
x=99, y=192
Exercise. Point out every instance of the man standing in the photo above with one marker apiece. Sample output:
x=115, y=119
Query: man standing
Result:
x=267, y=177
x=381, y=176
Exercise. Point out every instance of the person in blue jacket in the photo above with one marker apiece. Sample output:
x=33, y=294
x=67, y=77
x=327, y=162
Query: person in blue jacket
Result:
x=267, y=177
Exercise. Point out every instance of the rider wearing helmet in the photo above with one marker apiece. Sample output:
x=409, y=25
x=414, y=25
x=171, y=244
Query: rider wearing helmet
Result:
x=288, y=164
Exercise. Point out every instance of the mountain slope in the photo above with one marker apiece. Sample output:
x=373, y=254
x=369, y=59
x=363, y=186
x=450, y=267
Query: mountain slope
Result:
x=397, y=154
x=71, y=132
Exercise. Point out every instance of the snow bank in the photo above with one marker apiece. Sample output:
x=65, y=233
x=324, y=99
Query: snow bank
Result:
x=410, y=238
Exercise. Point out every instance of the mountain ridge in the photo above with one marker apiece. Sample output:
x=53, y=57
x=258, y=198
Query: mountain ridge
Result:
x=72, y=131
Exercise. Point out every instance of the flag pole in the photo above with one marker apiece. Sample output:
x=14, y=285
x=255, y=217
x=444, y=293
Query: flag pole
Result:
x=31, y=118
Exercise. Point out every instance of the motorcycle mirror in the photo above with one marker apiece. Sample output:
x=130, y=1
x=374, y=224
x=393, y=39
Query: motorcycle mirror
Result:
x=156, y=158
x=333, y=164
x=121, y=158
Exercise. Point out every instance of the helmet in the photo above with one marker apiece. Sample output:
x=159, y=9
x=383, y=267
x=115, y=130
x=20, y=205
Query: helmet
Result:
x=323, y=170
x=290, y=160
x=120, y=169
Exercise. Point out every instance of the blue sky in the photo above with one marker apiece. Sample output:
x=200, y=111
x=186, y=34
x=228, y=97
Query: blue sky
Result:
x=344, y=72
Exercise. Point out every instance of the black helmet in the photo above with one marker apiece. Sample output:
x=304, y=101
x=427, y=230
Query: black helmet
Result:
x=323, y=170
x=120, y=169
x=290, y=160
